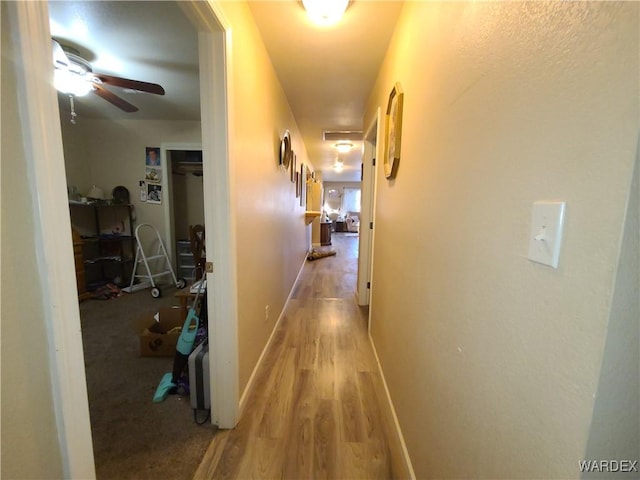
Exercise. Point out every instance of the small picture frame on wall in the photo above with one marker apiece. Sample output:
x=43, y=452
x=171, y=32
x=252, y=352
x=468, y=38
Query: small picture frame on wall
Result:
x=154, y=193
x=153, y=175
x=393, y=131
x=304, y=178
x=152, y=157
x=293, y=167
x=285, y=151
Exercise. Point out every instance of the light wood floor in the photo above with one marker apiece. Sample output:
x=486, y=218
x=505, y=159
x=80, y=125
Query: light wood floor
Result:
x=318, y=408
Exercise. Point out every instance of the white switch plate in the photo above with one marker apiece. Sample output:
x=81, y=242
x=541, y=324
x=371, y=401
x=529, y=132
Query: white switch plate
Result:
x=547, y=220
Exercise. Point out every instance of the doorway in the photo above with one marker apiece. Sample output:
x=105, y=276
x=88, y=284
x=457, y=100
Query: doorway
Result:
x=184, y=204
x=365, y=257
x=48, y=184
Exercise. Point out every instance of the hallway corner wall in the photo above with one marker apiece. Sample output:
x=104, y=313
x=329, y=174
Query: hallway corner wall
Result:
x=493, y=361
x=615, y=425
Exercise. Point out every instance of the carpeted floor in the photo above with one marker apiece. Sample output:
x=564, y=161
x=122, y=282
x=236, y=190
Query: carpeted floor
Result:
x=134, y=438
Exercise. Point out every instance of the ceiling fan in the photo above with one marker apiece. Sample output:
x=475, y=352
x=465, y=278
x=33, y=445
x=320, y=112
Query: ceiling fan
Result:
x=75, y=77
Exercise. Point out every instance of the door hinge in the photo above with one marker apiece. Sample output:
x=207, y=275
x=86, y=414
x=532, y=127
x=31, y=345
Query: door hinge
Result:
x=208, y=266
x=368, y=284
x=374, y=162
x=370, y=225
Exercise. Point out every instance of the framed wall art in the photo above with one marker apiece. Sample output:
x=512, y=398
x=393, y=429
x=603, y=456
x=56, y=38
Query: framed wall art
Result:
x=154, y=193
x=304, y=179
x=285, y=151
x=293, y=167
x=393, y=131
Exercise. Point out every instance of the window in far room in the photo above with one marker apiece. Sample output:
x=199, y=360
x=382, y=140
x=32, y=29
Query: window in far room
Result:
x=351, y=200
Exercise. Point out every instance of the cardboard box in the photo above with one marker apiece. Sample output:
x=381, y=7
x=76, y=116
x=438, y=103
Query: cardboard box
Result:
x=159, y=338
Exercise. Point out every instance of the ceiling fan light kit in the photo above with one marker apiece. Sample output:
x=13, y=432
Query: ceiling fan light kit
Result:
x=71, y=75
x=74, y=76
x=70, y=83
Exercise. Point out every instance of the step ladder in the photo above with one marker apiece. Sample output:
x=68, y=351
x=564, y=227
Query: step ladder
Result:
x=142, y=260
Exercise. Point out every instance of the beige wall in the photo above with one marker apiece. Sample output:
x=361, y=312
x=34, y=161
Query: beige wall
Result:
x=109, y=153
x=29, y=436
x=615, y=427
x=76, y=145
x=493, y=361
x=271, y=232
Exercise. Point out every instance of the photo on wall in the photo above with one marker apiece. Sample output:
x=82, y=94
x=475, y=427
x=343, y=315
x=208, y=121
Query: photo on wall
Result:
x=153, y=174
x=153, y=165
x=143, y=190
x=154, y=193
x=153, y=157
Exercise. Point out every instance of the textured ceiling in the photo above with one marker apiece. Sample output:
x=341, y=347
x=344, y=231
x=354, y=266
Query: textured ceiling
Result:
x=148, y=41
x=326, y=72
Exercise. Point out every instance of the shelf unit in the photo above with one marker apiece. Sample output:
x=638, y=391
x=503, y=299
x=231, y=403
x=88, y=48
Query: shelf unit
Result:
x=108, y=245
x=185, y=261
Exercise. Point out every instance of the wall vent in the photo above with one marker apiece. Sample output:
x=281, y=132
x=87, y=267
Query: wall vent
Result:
x=335, y=136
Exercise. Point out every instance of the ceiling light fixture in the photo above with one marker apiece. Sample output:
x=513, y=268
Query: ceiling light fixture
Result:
x=325, y=12
x=338, y=166
x=72, y=83
x=72, y=73
x=344, y=147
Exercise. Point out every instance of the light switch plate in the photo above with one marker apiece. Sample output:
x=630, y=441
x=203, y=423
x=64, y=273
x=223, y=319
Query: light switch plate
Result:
x=547, y=220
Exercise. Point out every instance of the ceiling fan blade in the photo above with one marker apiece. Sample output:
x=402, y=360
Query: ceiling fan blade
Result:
x=114, y=99
x=132, y=84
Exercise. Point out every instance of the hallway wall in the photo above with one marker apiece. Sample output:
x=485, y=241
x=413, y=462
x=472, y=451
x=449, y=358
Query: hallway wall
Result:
x=615, y=426
x=492, y=361
x=271, y=232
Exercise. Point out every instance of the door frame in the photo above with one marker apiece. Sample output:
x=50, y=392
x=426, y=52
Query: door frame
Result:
x=216, y=95
x=42, y=134
x=367, y=214
x=45, y=163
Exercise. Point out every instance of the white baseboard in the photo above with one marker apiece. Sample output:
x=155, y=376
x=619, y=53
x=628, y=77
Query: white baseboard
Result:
x=247, y=390
x=405, y=452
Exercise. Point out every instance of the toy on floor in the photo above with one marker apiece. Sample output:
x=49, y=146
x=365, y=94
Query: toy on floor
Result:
x=315, y=254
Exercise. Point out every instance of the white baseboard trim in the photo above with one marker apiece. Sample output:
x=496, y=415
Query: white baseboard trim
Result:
x=245, y=394
x=405, y=452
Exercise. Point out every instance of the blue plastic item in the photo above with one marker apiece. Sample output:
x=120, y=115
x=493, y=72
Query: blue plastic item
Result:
x=169, y=381
x=165, y=386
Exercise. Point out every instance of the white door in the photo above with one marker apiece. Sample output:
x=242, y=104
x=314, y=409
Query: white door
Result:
x=367, y=224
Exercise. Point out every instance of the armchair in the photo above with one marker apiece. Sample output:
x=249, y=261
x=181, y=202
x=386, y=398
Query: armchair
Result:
x=353, y=222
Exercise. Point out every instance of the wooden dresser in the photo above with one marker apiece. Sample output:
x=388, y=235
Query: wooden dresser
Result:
x=79, y=260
